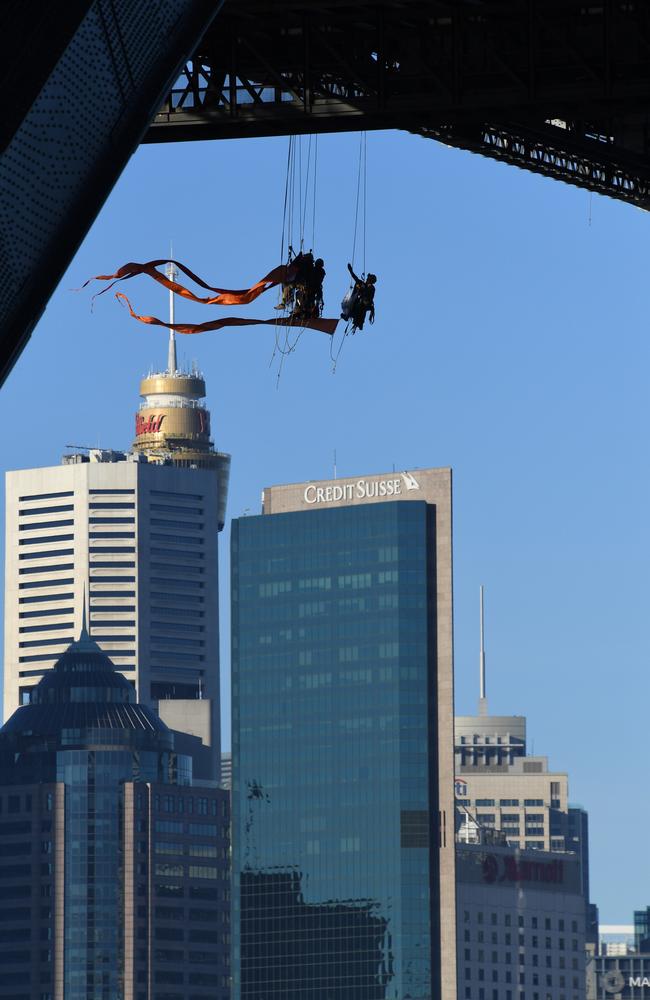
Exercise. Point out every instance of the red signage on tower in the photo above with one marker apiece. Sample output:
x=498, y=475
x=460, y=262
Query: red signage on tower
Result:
x=148, y=425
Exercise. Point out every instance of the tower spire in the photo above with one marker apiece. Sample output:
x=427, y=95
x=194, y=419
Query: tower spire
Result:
x=482, y=701
x=172, y=364
x=84, y=619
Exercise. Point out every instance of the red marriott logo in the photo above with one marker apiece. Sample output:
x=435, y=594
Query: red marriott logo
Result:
x=510, y=869
x=147, y=425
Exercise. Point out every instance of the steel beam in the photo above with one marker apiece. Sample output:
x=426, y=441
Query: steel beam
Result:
x=559, y=87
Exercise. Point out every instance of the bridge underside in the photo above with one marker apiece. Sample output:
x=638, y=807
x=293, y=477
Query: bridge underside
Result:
x=560, y=87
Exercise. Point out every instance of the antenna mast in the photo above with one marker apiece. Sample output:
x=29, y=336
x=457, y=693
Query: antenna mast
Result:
x=482, y=701
x=172, y=364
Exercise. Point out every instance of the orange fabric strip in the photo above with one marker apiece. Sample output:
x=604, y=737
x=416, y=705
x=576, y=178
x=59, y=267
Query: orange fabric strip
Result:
x=323, y=325
x=225, y=296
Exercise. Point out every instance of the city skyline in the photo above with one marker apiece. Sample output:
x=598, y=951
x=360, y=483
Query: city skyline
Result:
x=507, y=368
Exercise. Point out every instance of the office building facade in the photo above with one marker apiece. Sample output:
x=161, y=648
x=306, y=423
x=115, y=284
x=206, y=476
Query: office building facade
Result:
x=521, y=925
x=500, y=787
x=506, y=796
x=133, y=535
x=114, y=873
x=343, y=863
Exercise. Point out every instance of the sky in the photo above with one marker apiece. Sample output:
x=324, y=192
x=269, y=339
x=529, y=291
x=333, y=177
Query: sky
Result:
x=511, y=343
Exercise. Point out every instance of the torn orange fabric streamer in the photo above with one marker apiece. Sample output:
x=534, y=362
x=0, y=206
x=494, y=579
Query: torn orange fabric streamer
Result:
x=225, y=296
x=323, y=325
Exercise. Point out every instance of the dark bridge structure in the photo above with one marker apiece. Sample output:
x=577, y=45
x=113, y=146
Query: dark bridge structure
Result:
x=559, y=87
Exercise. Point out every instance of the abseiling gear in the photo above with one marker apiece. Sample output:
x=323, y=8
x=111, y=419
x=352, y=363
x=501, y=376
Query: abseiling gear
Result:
x=359, y=301
x=303, y=294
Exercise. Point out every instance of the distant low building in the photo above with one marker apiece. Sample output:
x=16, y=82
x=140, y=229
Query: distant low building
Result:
x=620, y=970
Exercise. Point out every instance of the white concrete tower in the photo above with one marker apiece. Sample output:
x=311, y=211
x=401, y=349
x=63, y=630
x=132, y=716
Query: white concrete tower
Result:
x=137, y=534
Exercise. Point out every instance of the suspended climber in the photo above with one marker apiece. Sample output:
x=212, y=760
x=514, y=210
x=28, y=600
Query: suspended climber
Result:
x=302, y=292
x=359, y=301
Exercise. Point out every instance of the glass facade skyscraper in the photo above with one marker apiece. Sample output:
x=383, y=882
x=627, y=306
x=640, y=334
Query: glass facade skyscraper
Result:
x=341, y=731
x=113, y=865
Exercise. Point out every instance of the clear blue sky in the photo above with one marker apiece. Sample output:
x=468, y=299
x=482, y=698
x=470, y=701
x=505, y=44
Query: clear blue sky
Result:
x=511, y=343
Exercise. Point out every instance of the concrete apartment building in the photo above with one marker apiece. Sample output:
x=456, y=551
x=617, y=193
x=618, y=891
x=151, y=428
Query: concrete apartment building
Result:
x=134, y=536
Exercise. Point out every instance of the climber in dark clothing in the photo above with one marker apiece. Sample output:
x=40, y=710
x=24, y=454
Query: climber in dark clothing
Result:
x=360, y=301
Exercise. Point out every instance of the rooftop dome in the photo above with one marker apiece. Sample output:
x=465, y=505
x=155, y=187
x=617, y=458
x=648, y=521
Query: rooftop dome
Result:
x=83, y=673
x=83, y=691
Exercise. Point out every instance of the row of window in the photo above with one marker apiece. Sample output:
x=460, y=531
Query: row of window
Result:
x=187, y=804
x=533, y=922
x=43, y=541
x=45, y=613
x=36, y=525
x=524, y=959
x=22, y=803
x=33, y=584
x=176, y=539
x=171, y=509
x=66, y=596
x=46, y=569
x=177, y=826
x=191, y=850
x=48, y=496
x=509, y=995
x=176, y=890
x=193, y=871
x=502, y=802
x=183, y=525
x=534, y=978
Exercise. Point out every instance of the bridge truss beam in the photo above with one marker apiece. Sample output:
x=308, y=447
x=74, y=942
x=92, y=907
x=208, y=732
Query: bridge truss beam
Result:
x=560, y=87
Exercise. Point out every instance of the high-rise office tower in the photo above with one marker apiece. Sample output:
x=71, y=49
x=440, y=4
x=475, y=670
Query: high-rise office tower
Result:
x=114, y=875
x=135, y=534
x=343, y=833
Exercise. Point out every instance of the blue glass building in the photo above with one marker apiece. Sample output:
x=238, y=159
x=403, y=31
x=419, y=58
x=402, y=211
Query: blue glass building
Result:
x=343, y=870
x=113, y=865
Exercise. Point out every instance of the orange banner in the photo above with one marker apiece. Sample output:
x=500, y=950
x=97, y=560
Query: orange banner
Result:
x=225, y=296
x=323, y=325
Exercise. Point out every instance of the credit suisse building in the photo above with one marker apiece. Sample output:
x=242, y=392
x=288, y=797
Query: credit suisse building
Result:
x=343, y=812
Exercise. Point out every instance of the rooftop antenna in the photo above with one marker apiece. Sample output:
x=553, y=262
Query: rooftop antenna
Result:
x=335, y=463
x=84, y=618
x=482, y=701
x=172, y=273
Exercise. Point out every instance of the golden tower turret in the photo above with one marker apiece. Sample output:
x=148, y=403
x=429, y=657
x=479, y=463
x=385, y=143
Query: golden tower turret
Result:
x=172, y=424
